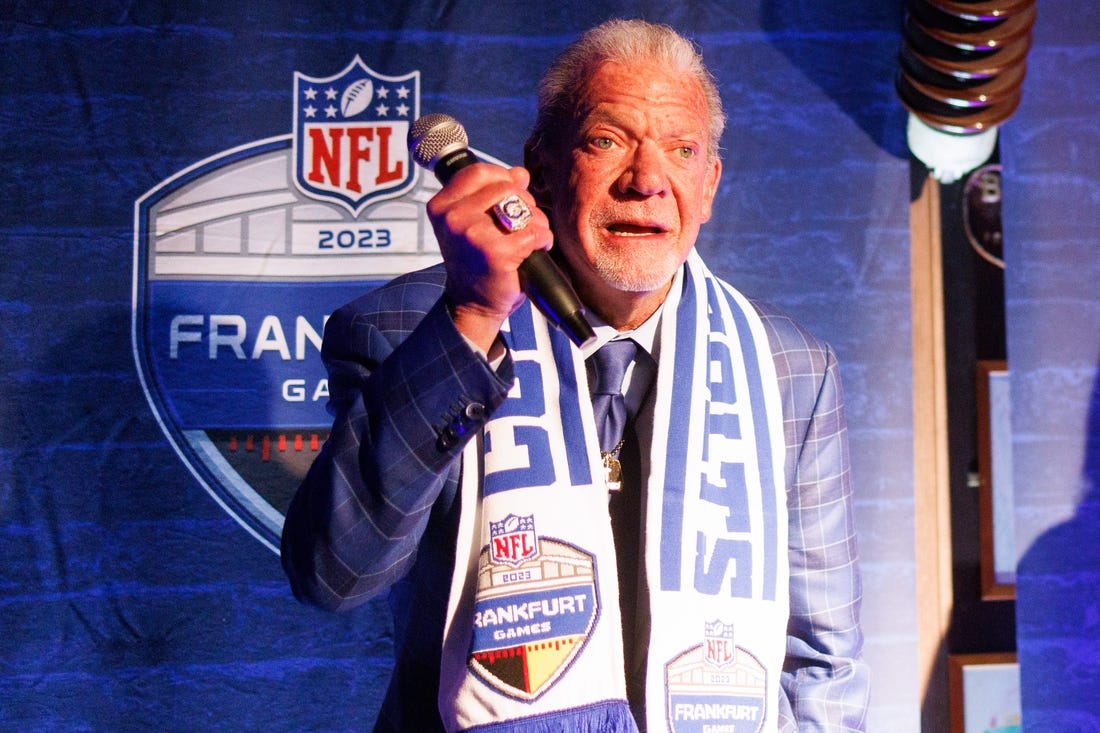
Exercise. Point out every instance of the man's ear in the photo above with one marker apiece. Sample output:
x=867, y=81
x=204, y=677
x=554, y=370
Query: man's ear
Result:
x=714, y=175
x=534, y=162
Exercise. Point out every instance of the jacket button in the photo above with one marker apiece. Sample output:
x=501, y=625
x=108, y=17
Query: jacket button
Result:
x=475, y=411
x=447, y=438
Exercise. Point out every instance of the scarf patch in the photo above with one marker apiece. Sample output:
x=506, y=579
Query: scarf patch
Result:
x=535, y=606
x=717, y=686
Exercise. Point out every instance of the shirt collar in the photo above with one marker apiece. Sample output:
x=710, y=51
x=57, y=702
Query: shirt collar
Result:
x=646, y=335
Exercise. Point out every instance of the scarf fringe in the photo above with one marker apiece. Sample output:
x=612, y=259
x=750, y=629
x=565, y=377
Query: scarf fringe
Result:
x=610, y=716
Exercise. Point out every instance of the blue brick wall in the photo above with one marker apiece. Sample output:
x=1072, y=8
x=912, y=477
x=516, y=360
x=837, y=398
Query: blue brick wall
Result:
x=128, y=599
x=1052, y=223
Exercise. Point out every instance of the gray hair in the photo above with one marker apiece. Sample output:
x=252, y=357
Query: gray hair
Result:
x=621, y=41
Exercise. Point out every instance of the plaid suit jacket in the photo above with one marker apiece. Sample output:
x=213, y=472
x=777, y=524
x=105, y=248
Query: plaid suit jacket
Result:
x=378, y=509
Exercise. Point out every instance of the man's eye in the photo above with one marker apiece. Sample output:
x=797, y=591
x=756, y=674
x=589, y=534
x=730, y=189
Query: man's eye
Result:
x=603, y=143
x=686, y=152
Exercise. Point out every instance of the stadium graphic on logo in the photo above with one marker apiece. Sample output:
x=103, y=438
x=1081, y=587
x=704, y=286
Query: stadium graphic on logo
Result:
x=237, y=264
x=534, y=609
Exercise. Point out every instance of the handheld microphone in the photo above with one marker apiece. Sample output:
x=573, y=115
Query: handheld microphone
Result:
x=439, y=143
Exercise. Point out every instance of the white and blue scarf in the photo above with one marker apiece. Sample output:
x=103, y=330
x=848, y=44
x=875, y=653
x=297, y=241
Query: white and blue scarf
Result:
x=533, y=640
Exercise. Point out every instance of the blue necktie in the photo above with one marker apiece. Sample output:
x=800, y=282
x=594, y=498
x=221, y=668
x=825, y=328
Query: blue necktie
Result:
x=608, y=403
x=609, y=408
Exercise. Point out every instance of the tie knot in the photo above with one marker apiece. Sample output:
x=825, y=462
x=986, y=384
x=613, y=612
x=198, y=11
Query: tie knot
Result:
x=612, y=360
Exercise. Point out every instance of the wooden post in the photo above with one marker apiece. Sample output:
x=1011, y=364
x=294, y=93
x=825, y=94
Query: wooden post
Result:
x=932, y=496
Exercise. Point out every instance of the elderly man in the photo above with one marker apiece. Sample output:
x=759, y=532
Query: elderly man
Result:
x=653, y=531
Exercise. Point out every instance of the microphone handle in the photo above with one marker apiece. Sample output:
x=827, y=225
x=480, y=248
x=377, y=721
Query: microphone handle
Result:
x=540, y=277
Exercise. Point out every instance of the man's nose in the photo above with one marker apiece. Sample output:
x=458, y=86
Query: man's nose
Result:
x=645, y=174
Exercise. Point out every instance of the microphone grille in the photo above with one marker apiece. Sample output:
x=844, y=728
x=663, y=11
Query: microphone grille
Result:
x=435, y=135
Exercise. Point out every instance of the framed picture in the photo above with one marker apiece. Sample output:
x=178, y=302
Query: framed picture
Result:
x=985, y=693
x=996, y=520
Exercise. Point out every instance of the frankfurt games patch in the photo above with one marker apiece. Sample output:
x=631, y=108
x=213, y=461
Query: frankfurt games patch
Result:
x=535, y=606
x=716, y=687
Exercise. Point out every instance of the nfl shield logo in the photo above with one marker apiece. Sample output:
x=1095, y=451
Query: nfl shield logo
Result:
x=718, y=645
x=512, y=540
x=350, y=133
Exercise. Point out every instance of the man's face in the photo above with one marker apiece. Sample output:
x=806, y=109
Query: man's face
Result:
x=631, y=183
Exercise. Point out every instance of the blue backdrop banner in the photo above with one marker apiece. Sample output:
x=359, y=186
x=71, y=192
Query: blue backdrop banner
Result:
x=189, y=189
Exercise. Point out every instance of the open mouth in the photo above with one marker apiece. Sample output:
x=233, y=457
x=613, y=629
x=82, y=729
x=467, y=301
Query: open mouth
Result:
x=628, y=229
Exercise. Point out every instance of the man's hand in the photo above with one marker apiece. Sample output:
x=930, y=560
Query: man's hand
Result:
x=481, y=257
